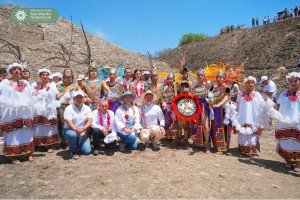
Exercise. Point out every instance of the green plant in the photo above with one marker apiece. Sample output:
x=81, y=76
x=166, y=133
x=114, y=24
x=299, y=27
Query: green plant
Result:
x=192, y=37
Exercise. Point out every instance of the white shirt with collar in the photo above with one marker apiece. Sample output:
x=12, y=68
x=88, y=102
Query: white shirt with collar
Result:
x=78, y=117
x=96, y=120
x=271, y=87
x=121, y=122
x=152, y=116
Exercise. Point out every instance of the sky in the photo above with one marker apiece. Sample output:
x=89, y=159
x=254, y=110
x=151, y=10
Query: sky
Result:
x=156, y=25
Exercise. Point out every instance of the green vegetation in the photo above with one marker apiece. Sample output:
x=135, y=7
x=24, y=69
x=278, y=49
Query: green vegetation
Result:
x=192, y=37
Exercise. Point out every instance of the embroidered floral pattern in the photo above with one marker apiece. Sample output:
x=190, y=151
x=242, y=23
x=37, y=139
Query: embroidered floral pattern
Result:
x=19, y=149
x=42, y=120
x=101, y=119
x=248, y=97
x=15, y=125
x=18, y=86
x=46, y=141
x=292, y=97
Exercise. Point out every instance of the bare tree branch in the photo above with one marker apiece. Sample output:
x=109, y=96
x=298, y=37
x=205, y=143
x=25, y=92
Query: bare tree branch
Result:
x=89, y=60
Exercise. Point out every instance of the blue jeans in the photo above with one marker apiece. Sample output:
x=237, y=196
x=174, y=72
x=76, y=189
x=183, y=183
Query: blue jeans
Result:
x=129, y=140
x=77, y=142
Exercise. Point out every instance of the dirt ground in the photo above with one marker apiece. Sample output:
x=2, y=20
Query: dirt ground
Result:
x=168, y=173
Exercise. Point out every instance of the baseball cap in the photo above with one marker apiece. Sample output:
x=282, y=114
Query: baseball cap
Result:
x=78, y=92
x=263, y=78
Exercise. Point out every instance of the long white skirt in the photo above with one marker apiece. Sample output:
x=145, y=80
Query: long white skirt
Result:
x=45, y=135
x=19, y=142
x=248, y=144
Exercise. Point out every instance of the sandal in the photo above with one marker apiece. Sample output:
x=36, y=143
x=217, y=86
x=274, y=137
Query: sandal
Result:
x=16, y=162
x=30, y=158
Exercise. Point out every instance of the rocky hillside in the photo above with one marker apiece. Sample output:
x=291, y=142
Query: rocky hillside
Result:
x=38, y=42
x=273, y=49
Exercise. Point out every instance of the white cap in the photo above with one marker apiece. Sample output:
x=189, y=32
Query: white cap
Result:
x=57, y=74
x=44, y=70
x=78, y=92
x=9, y=67
x=112, y=71
x=80, y=77
x=146, y=72
x=263, y=78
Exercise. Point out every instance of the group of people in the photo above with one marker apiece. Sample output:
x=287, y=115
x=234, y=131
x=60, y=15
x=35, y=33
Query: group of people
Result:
x=279, y=16
x=137, y=108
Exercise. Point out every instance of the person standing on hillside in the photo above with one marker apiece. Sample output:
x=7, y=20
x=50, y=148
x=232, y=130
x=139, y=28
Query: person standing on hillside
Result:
x=257, y=22
x=253, y=22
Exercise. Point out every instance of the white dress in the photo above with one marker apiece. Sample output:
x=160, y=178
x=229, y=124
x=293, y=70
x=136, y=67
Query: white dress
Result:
x=250, y=118
x=45, y=115
x=287, y=132
x=16, y=117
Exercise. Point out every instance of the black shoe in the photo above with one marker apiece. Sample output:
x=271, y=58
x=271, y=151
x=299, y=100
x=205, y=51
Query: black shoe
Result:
x=96, y=153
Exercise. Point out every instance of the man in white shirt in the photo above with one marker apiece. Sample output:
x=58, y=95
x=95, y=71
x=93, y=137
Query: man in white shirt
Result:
x=103, y=126
x=127, y=120
x=152, y=120
x=269, y=89
x=78, y=121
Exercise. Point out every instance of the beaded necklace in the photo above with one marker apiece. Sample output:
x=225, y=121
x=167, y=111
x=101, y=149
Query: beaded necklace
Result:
x=100, y=114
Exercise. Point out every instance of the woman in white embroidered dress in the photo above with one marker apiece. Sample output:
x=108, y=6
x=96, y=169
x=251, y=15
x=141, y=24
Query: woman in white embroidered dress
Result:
x=287, y=131
x=16, y=115
x=249, y=122
x=44, y=112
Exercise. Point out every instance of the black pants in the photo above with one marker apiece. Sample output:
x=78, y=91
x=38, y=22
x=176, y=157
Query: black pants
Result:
x=97, y=137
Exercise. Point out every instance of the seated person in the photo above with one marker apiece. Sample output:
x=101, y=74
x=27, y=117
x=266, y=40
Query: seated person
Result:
x=103, y=126
x=78, y=120
x=152, y=120
x=127, y=119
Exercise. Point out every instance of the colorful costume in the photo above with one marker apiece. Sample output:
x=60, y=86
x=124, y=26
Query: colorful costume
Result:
x=199, y=137
x=219, y=132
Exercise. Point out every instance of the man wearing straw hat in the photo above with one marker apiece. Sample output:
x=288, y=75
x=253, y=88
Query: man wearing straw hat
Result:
x=152, y=120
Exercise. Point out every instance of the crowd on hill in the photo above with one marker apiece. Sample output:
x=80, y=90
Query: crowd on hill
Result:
x=281, y=15
x=286, y=13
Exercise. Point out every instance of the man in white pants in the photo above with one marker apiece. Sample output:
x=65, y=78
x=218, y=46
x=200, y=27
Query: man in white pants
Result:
x=152, y=120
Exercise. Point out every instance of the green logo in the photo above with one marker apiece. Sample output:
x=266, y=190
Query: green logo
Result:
x=34, y=15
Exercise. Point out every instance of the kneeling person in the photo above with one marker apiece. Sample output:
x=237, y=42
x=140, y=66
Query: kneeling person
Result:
x=103, y=126
x=127, y=120
x=78, y=119
x=152, y=120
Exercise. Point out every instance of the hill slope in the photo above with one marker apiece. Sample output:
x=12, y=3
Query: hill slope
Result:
x=41, y=41
x=260, y=50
